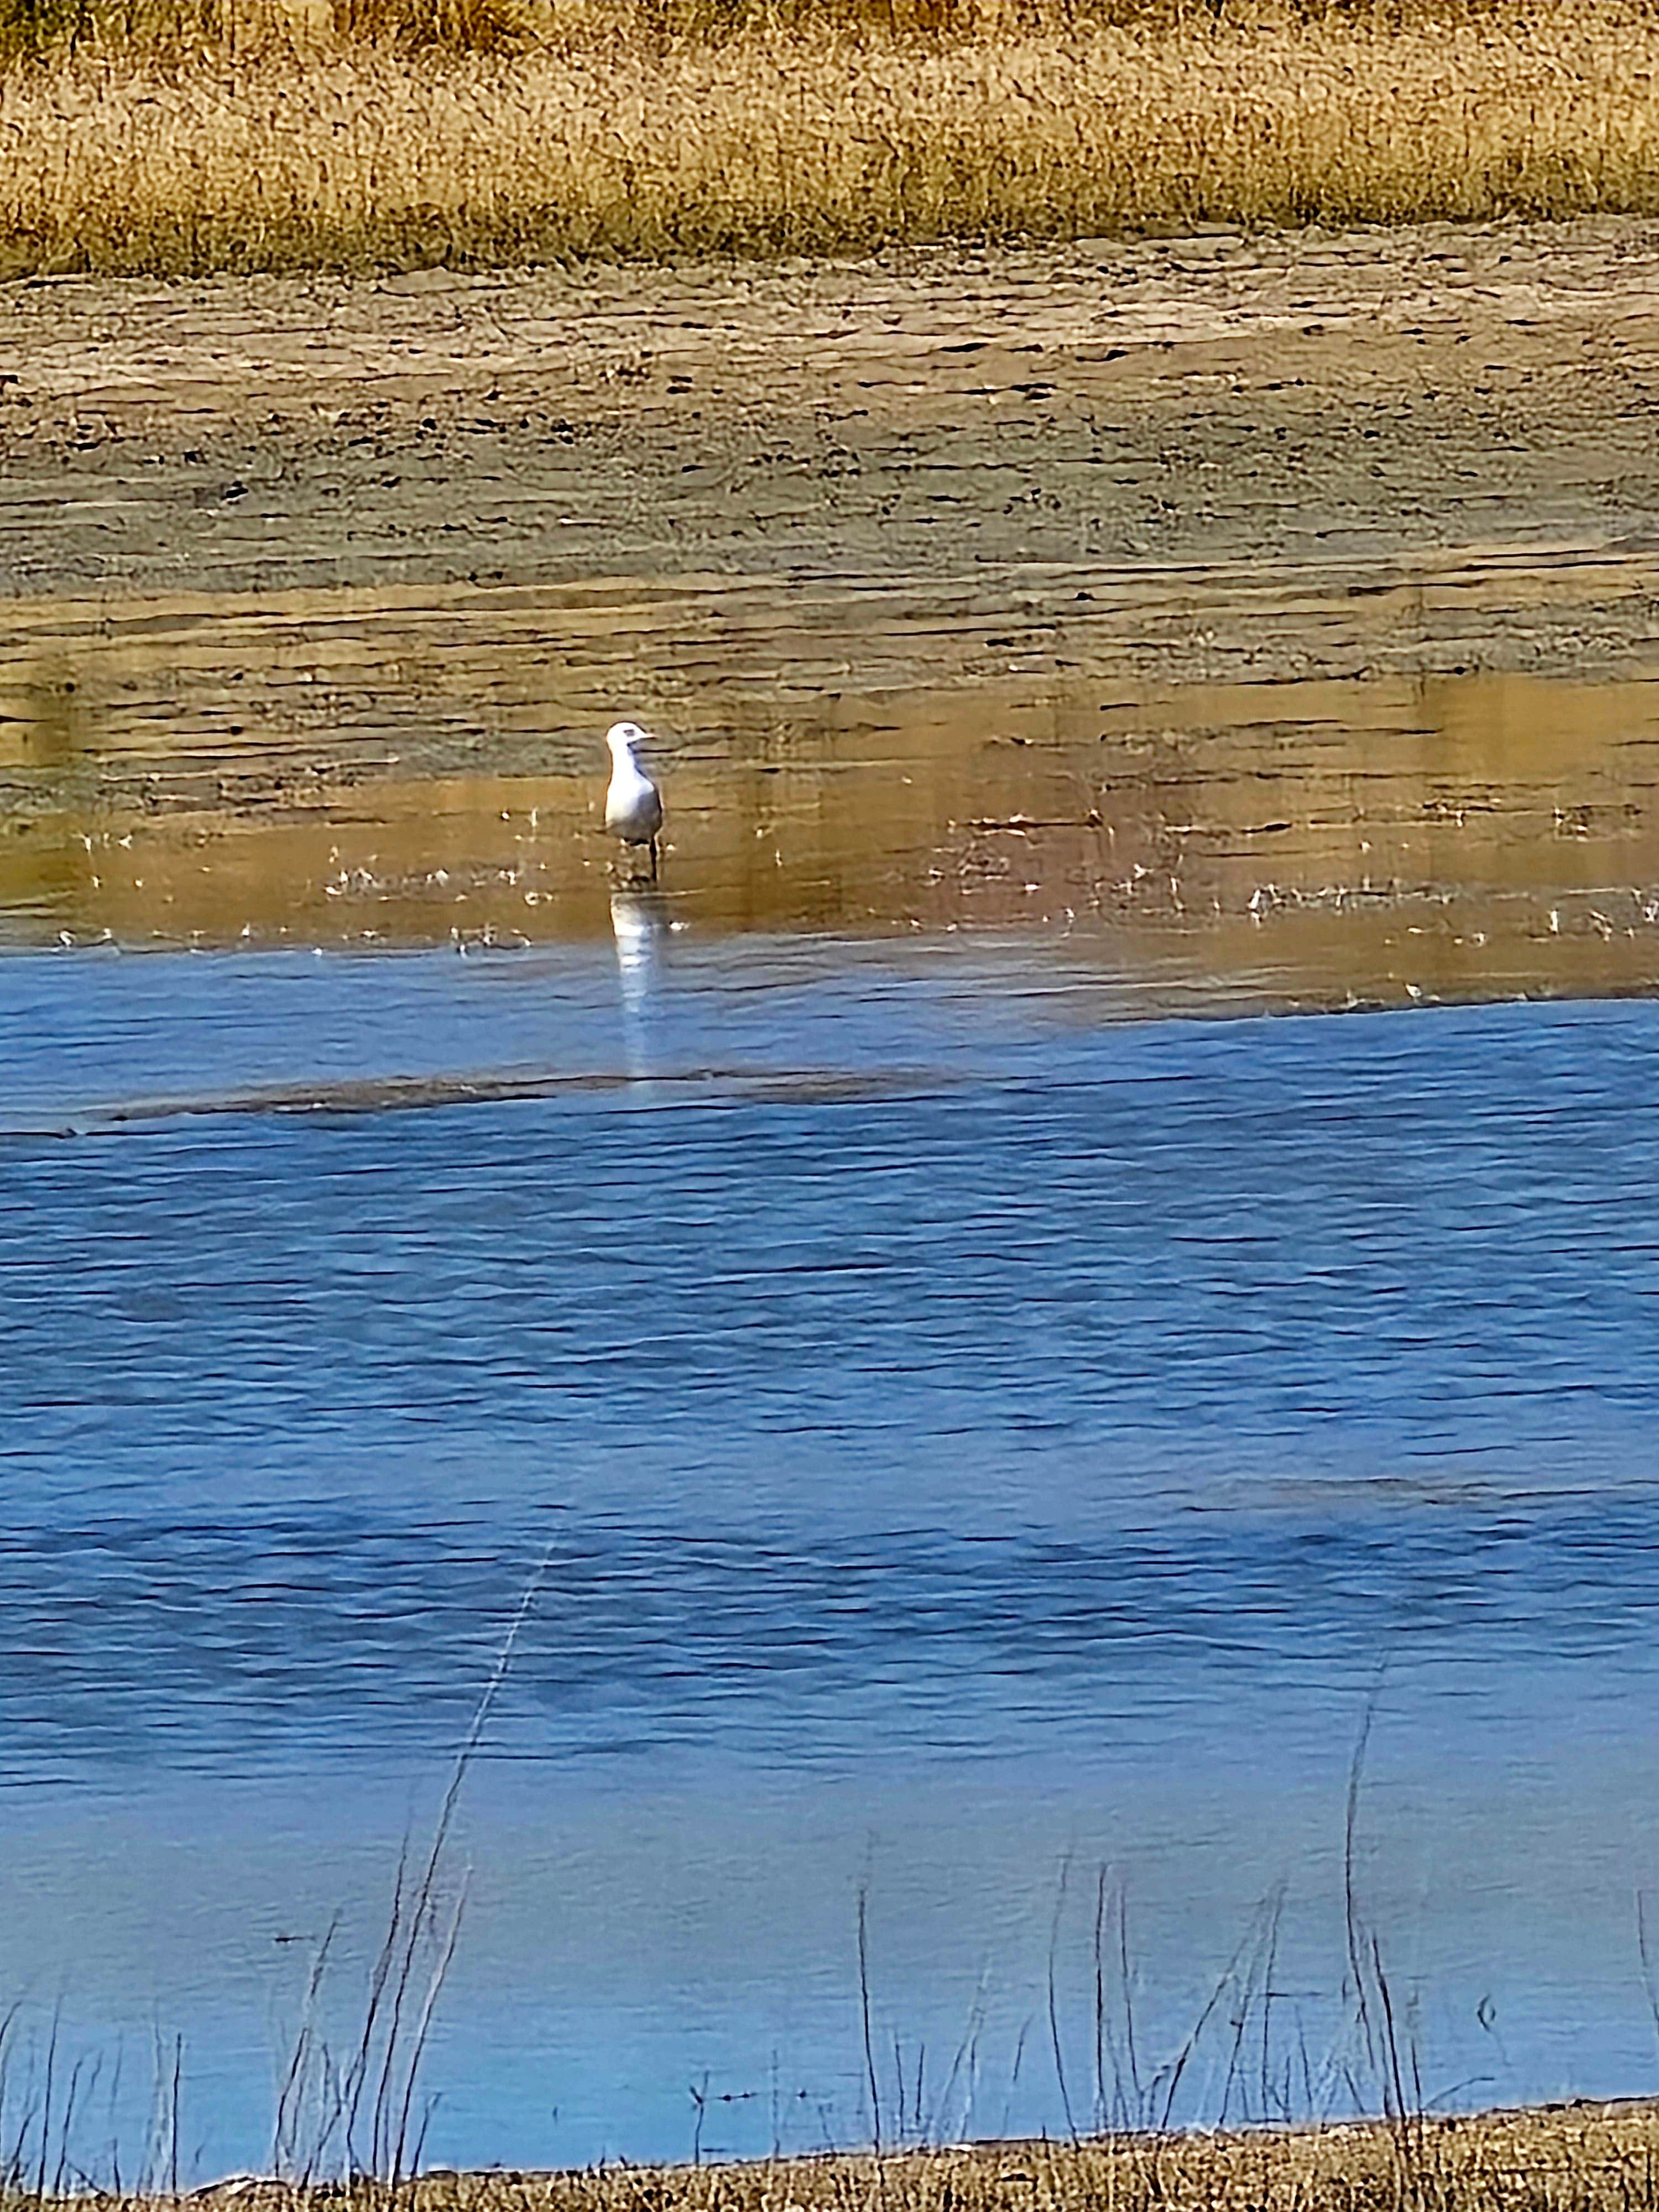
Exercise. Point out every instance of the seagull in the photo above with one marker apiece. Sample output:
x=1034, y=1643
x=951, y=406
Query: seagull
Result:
x=633, y=804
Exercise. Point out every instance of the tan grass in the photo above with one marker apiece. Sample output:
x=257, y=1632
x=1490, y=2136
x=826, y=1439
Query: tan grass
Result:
x=599, y=135
x=1576, y=2159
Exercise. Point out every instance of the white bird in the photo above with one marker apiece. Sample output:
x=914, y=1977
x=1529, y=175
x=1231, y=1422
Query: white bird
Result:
x=633, y=804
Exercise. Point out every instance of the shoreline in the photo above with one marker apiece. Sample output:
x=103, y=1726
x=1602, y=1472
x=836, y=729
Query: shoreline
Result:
x=319, y=593
x=1301, y=426
x=1581, y=2152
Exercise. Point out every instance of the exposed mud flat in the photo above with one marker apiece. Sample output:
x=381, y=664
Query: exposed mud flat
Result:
x=1296, y=597
x=1315, y=401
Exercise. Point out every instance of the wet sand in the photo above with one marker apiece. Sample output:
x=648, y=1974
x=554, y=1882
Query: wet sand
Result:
x=1343, y=412
x=1184, y=587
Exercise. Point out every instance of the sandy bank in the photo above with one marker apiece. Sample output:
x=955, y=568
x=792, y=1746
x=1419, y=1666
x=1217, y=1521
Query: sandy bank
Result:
x=1225, y=425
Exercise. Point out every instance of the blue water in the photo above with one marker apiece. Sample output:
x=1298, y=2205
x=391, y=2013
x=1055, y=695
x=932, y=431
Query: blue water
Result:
x=959, y=1438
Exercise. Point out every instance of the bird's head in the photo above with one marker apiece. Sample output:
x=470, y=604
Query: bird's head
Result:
x=623, y=738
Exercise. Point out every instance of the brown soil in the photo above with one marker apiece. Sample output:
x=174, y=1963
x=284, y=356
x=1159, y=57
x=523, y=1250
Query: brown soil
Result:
x=1218, y=415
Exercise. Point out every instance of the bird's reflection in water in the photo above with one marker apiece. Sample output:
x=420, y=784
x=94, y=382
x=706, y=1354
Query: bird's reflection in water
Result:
x=639, y=921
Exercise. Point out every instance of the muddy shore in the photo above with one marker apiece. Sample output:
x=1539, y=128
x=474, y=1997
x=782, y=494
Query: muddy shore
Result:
x=1213, y=419
x=993, y=587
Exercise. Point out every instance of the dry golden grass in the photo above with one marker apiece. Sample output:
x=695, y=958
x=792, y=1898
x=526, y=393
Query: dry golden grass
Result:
x=1577, y=2159
x=585, y=133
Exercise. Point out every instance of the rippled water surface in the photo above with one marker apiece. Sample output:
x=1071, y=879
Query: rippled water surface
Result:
x=982, y=1415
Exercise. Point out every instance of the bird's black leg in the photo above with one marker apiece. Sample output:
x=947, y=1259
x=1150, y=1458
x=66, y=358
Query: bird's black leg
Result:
x=654, y=859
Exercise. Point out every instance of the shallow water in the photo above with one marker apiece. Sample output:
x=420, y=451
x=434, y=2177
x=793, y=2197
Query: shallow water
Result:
x=352, y=769
x=980, y=1411
x=963, y=1434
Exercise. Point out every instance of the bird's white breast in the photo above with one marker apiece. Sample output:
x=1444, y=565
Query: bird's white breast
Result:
x=633, y=809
